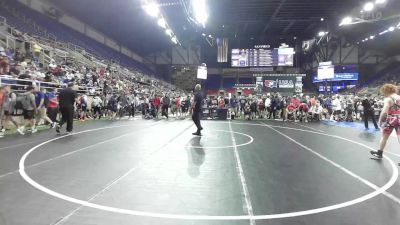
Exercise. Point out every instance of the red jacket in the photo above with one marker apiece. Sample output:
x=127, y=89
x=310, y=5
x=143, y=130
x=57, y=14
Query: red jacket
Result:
x=157, y=101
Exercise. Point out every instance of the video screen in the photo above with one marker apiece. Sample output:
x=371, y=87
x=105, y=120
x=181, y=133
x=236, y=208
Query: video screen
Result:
x=262, y=57
x=326, y=71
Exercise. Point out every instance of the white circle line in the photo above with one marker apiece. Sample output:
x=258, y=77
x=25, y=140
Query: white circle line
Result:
x=227, y=146
x=38, y=186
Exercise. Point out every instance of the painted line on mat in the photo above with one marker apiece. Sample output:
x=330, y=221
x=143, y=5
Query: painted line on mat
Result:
x=388, y=152
x=308, y=127
x=246, y=200
x=347, y=171
x=118, y=179
x=389, y=184
x=251, y=140
x=78, y=150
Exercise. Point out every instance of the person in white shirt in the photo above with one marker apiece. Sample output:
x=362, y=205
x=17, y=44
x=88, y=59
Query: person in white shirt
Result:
x=337, y=108
x=97, y=104
x=316, y=111
x=267, y=106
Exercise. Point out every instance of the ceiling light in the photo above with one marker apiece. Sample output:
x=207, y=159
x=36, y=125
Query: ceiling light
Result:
x=371, y=37
x=383, y=32
x=152, y=9
x=358, y=43
x=363, y=40
x=203, y=34
x=322, y=33
x=380, y=1
x=200, y=11
x=210, y=36
x=369, y=6
x=161, y=22
x=391, y=29
x=174, y=40
x=346, y=21
x=322, y=19
x=168, y=32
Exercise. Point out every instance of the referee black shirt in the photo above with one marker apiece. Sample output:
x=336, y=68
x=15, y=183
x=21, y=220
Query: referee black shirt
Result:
x=198, y=99
x=67, y=97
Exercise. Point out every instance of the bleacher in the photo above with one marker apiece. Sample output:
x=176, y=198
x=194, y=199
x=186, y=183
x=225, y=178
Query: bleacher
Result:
x=388, y=75
x=63, y=33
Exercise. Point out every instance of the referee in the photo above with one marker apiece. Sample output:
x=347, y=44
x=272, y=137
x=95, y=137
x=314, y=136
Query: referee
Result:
x=67, y=99
x=197, y=106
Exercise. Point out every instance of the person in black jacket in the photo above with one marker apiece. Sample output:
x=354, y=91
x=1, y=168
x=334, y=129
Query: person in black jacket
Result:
x=274, y=106
x=166, y=101
x=368, y=112
x=67, y=99
x=197, y=107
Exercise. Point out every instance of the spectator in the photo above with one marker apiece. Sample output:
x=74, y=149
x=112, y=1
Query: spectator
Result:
x=30, y=109
x=96, y=105
x=368, y=112
x=316, y=111
x=165, y=105
x=52, y=106
x=4, y=64
x=42, y=101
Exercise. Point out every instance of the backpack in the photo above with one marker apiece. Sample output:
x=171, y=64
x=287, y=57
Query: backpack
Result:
x=18, y=103
x=25, y=101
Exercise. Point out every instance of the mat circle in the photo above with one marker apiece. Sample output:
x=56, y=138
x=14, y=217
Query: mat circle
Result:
x=380, y=190
x=251, y=140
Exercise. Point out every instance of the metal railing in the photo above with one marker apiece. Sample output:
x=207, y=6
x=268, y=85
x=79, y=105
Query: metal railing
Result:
x=3, y=21
x=7, y=40
x=20, y=85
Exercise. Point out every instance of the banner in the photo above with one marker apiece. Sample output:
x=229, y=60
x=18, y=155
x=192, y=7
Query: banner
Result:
x=339, y=77
x=222, y=44
x=288, y=84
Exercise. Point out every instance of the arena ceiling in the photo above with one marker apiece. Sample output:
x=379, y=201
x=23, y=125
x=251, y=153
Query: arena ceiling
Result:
x=245, y=22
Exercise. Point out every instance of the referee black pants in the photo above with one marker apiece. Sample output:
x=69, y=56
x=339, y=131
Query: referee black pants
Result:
x=369, y=114
x=196, y=120
x=67, y=116
x=97, y=111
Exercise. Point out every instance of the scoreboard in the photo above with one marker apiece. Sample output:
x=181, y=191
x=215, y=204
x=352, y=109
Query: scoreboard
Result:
x=262, y=57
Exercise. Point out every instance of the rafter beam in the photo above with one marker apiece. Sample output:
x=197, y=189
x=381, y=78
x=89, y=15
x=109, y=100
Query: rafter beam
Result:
x=288, y=27
x=277, y=10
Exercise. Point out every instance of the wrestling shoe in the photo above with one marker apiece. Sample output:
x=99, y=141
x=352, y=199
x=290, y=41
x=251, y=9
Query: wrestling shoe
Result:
x=197, y=134
x=377, y=154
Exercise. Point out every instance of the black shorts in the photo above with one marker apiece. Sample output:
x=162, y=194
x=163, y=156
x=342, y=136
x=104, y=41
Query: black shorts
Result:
x=7, y=113
x=29, y=114
x=337, y=112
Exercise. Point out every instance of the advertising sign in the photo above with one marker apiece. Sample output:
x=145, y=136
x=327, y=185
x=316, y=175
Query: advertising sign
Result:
x=339, y=77
x=282, y=84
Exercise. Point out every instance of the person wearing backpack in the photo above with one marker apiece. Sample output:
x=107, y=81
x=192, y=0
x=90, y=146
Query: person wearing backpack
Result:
x=30, y=109
x=42, y=101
